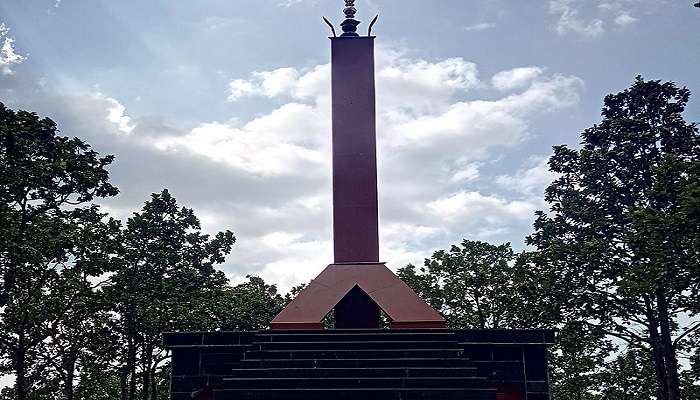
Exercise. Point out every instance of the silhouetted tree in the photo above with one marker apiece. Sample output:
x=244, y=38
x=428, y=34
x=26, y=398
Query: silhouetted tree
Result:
x=691, y=377
x=621, y=237
x=478, y=285
x=47, y=182
x=577, y=361
x=250, y=305
x=82, y=345
x=472, y=285
x=165, y=281
x=629, y=376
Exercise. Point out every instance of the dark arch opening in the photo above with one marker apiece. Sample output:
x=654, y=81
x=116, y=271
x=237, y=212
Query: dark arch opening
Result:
x=357, y=311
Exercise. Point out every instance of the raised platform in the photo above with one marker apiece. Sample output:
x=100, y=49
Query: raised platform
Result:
x=360, y=364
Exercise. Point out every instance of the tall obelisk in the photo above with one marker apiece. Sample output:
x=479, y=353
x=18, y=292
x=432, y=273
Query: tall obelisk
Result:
x=357, y=287
x=355, y=209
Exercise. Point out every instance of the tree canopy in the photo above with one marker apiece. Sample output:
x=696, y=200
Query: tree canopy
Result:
x=621, y=238
x=47, y=183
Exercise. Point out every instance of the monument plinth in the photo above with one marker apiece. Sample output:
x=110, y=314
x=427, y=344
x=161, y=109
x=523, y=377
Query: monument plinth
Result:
x=361, y=285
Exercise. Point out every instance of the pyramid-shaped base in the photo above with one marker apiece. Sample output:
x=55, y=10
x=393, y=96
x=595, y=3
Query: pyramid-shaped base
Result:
x=400, y=303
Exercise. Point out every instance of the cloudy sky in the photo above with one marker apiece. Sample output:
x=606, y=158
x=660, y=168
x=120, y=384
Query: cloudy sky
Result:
x=226, y=103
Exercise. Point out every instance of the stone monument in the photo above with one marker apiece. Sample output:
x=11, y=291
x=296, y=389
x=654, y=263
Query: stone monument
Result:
x=416, y=358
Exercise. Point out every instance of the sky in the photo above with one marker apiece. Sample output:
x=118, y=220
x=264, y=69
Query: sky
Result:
x=226, y=104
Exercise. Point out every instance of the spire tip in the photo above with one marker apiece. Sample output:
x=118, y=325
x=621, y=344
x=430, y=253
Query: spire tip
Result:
x=350, y=24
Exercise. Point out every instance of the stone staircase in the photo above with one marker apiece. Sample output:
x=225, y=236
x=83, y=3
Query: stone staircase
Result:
x=355, y=364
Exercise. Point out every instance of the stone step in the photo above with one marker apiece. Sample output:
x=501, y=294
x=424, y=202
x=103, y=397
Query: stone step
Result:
x=492, y=369
x=354, y=382
x=355, y=394
x=354, y=335
x=359, y=345
x=398, y=362
x=354, y=353
x=354, y=372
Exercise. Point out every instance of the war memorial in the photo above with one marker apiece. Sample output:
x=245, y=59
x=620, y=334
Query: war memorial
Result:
x=415, y=357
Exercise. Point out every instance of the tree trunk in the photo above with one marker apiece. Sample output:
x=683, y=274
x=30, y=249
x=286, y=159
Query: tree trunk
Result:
x=20, y=355
x=131, y=365
x=147, y=358
x=154, y=382
x=68, y=390
x=123, y=379
x=21, y=371
x=659, y=370
x=657, y=354
x=127, y=381
x=669, y=354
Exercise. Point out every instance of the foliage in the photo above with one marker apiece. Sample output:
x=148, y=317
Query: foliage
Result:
x=250, y=305
x=691, y=377
x=472, y=285
x=82, y=344
x=165, y=281
x=629, y=375
x=478, y=285
x=621, y=237
x=47, y=182
x=576, y=362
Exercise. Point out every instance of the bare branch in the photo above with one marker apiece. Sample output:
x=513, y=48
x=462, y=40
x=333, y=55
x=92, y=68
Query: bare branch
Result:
x=690, y=330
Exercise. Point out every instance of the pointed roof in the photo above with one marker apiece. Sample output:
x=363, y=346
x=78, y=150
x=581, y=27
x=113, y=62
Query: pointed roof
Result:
x=401, y=304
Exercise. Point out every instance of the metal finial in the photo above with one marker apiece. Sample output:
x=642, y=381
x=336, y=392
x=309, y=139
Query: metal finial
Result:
x=350, y=9
x=330, y=25
x=371, y=25
x=350, y=24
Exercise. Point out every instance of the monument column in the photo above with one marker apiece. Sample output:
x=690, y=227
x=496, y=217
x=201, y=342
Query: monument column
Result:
x=355, y=210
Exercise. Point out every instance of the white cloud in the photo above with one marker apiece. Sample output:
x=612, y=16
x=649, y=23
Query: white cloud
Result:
x=402, y=82
x=298, y=260
x=315, y=83
x=116, y=115
x=466, y=173
x=94, y=115
x=480, y=27
x=406, y=242
x=571, y=21
x=281, y=82
x=598, y=15
x=240, y=88
x=625, y=19
x=215, y=23
x=421, y=85
x=277, y=82
x=274, y=144
x=532, y=179
x=289, y=3
x=485, y=123
x=516, y=78
x=488, y=233
x=8, y=55
x=468, y=206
